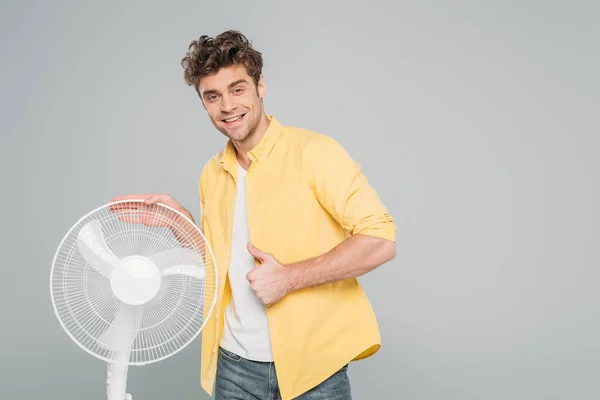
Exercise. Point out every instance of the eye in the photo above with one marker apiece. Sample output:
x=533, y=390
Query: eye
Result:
x=238, y=90
x=211, y=97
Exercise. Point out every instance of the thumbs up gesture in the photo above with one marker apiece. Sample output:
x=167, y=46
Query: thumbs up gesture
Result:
x=270, y=280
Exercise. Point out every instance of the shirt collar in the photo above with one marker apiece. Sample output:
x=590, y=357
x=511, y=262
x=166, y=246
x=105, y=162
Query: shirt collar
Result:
x=260, y=152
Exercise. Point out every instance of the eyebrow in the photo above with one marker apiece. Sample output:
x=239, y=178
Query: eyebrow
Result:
x=232, y=84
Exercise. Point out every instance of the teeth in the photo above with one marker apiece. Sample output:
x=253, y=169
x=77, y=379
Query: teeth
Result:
x=233, y=119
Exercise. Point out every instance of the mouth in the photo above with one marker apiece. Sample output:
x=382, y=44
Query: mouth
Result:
x=234, y=120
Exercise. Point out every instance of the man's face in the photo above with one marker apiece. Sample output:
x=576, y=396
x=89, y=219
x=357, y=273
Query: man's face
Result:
x=232, y=101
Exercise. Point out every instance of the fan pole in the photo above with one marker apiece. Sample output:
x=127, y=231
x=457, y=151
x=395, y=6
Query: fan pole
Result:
x=116, y=381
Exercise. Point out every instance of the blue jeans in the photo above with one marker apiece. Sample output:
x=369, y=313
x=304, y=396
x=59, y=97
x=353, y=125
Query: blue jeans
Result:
x=241, y=379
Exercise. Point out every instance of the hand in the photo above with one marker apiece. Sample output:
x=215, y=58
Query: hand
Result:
x=270, y=280
x=143, y=212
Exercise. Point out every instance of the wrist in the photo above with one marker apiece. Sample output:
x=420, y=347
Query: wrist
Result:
x=291, y=277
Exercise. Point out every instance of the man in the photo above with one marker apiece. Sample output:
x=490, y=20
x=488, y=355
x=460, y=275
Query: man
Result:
x=292, y=222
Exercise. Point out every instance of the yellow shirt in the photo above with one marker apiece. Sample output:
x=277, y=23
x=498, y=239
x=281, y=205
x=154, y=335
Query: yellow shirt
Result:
x=305, y=195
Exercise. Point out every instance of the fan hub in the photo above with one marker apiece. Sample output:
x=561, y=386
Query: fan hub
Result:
x=136, y=280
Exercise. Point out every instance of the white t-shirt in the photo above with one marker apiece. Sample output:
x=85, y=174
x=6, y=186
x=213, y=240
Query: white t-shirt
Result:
x=246, y=329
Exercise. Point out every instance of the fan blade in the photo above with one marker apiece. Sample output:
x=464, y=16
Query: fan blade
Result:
x=182, y=261
x=185, y=269
x=123, y=330
x=94, y=249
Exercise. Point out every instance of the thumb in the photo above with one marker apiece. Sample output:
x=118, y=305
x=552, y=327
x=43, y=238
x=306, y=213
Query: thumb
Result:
x=256, y=252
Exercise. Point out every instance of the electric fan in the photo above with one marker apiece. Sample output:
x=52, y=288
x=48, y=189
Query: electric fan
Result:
x=133, y=284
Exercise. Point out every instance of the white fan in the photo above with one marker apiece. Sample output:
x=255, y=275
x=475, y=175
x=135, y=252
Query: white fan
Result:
x=133, y=284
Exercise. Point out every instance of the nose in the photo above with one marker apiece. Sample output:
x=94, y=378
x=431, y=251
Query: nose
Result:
x=227, y=105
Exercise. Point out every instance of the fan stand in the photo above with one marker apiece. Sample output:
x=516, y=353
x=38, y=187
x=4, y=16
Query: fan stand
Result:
x=135, y=283
x=116, y=381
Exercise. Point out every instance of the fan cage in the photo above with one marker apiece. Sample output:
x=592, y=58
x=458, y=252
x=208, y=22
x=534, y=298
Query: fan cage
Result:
x=86, y=307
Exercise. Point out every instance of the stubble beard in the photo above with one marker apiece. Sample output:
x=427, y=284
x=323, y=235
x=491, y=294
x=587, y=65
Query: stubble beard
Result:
x=249, y=129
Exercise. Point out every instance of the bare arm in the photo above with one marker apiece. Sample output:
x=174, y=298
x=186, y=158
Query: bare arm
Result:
x=355, y=256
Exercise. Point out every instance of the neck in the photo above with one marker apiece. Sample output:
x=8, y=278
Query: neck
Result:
x=243, y=147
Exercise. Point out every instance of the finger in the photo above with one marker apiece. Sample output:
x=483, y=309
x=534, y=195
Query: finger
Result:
x=129, y=209
x=137, y=196
x=256, y=253
x=124, y=204
x=152, y=199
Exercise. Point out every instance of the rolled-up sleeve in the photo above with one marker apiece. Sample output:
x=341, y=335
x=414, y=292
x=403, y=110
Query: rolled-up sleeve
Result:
x=344, y=191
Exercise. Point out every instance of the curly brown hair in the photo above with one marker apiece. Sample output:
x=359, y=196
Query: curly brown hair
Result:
x=207, y=55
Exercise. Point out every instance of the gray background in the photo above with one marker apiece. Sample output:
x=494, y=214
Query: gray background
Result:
x=477, y=123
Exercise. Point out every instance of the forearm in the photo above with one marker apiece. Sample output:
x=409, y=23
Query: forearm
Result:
x=356, y=256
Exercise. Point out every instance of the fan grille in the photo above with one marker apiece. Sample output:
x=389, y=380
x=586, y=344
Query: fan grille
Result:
x=87, y=307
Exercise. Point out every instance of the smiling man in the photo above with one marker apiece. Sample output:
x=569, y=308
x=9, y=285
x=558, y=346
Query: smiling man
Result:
x=292, y=222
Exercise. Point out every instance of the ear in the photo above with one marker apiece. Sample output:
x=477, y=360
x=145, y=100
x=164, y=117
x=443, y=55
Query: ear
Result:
x=262, y=87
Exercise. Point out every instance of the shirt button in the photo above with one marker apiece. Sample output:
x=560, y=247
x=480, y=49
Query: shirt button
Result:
x=226, y=248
